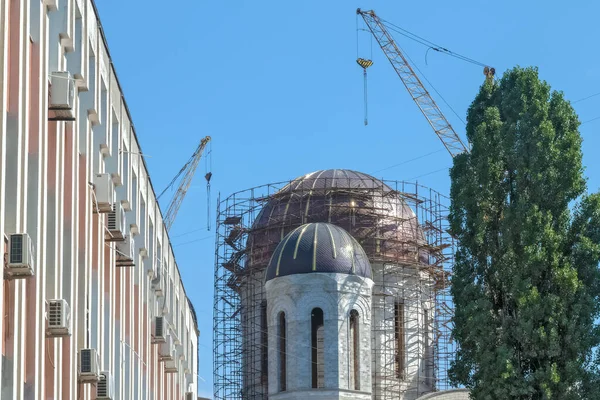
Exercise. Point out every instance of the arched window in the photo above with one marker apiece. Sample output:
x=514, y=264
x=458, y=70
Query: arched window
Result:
x=354, y=351
x=264, y=349
x=399, y=339
x=428, y=361
x=281, y=335
x=317, y=348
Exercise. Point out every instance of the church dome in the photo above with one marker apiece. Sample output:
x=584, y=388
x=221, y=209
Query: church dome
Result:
x=376, y=215
x=318, y=247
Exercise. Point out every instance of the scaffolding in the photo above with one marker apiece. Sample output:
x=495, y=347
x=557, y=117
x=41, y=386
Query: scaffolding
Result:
x=404, y=230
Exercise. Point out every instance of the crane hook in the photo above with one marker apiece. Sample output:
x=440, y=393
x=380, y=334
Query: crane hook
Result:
x=365, y=63
x=207, y=177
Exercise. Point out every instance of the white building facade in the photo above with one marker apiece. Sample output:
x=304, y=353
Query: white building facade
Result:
x=318, y=287
x=92, y=300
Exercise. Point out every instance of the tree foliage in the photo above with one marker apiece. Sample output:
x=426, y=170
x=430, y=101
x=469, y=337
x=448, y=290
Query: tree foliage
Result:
x=526, y=281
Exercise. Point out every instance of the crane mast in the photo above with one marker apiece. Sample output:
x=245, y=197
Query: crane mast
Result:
x=187, y=171
x=413, y=84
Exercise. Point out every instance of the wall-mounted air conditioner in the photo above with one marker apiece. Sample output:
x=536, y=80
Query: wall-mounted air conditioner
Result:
x=116, y=224
x=151, y=271
x=159, y=330
x=20, y=256
x=93, y=116
x=126, y=204
x=51, y=4
x=158, y=284
x=165, y=350
x=172, y=364
x=105, y=387
x=88, y=365
x=185, y=364
x=104, y=193
x=62, y=94
x=116, y=177
x=104, y=150
x=59, y=318
x=179, y=348
x=124, y=251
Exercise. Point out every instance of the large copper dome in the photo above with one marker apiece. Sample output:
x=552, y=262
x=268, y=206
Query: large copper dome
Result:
x=376, y=215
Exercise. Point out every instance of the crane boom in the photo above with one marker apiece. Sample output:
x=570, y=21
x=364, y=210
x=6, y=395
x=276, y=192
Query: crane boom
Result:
x=413, y=84
x=188, y=171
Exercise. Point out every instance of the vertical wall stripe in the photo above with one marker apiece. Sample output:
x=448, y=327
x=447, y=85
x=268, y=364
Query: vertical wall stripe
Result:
x=45, y=171
x=315, y=244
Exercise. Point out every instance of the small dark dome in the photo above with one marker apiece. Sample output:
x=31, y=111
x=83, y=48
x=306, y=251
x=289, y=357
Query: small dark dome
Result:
x=318, y=247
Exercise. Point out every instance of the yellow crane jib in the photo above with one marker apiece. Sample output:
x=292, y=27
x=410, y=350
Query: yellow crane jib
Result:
x=413, y=84
x=187, y=173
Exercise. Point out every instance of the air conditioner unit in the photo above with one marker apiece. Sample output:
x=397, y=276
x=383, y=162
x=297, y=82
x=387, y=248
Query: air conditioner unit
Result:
x=62, y=94
x=185, y=364
x=51, y=4
x=172, y=364
x=124, y=250
x=179, y=348
x=59, y=318
x=116, y=224
x=165, y=349
x=116, y=177
x=104, y=193
x=159, y=330
x=151, y=271
x=20, y=256
x=88, y=365
x=159, y=288
x=158, y=284
x=105, y=387
x=126, y=204
x=104, y=150
x=189, y=396
x=93, y=116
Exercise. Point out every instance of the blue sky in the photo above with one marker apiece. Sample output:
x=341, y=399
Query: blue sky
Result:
x=276, y=85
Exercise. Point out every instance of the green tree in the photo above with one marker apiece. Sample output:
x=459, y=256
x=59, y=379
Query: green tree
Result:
x=526, y=282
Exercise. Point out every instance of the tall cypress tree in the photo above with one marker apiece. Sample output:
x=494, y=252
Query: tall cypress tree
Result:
x=526, y=282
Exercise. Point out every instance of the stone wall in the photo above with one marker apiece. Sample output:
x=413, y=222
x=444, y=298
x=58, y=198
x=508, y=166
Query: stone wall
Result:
x=336, y=295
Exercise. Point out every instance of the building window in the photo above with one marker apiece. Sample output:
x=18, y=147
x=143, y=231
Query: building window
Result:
x=354, y=353
x=317, y=348
x=400, y=354
x=264, y=349
x=429, y=378
x=134, y=195
x=281, y=334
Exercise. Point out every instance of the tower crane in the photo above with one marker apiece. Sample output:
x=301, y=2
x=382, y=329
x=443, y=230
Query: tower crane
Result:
x=187, y=171
x=413, y=84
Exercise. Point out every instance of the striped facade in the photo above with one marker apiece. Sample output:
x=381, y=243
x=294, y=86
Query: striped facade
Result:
x=55, y=167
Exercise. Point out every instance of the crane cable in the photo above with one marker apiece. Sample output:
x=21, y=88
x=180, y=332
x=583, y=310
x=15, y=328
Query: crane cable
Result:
x=181, y=171
x=430, y=46
x=427, y=43
x=208, y=176
x=433, y=87
x=364, y=64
